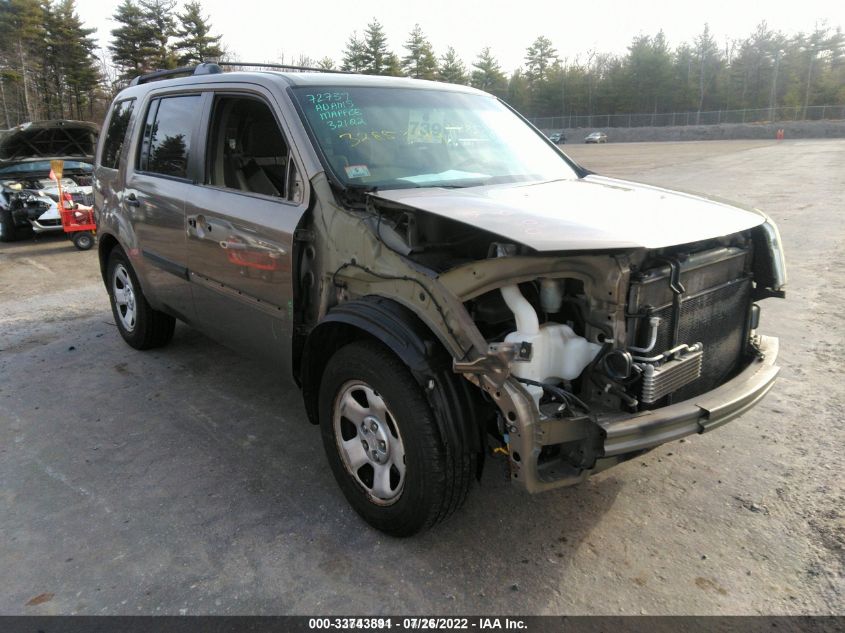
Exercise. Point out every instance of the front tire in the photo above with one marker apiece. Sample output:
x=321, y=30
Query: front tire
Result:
x=139, y=324
x=384, y=445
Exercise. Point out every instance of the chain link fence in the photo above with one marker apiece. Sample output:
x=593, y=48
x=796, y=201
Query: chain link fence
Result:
x=714, y=117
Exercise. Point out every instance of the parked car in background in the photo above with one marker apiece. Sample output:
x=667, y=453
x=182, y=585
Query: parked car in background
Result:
x=29, y=197
x=432, y=275
x=558, y=138
x=596, y=137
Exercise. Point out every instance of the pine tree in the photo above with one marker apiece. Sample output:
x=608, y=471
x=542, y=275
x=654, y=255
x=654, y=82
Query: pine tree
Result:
x=50, y=73
x=22, y=23
x=420, y=62
x=452, y=69
x=519, y=93
x=376, y=56
x=133, y=42
x=195, y=44
x=488, y=74
x=649, y=70
x=159, y=18
x=392, y=66
x=84, y=76
x=47, y=66
x=71, y=59
x=353, y=54
x=539, y=57
x=707, y=53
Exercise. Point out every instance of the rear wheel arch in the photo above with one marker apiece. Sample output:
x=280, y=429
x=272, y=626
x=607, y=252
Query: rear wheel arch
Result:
x=106, y=242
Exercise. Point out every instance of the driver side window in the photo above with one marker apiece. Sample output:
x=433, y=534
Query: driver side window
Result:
x=247, y=151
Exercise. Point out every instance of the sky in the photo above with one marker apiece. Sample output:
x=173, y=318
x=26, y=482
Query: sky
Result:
x=266, y=31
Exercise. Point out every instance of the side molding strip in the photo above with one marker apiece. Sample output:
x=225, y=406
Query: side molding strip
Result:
x=166, y=265
x=227, y=291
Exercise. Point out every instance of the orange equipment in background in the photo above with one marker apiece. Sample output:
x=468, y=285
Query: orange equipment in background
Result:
x=77, y=220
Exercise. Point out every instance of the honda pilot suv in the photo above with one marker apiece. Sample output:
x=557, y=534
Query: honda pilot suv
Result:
x=439, y=279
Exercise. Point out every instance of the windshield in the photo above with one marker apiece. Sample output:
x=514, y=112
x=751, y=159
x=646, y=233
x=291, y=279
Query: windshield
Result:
x=393, y=138
x=44, y=166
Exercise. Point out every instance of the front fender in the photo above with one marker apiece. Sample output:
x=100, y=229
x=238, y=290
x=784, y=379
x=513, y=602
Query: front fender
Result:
x=455, y=402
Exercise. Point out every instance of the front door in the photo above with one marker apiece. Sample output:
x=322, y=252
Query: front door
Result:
x=241, y=219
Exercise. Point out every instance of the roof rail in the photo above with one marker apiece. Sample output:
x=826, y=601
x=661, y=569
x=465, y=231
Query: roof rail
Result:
x=200, y=69
x=286, y=67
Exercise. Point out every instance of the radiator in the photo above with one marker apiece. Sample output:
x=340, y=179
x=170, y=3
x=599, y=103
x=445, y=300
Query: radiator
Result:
x=713, y=311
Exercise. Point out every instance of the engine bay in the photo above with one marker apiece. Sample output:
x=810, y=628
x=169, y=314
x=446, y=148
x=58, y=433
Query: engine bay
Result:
x=565, y=345
x=687, y=315
x=78, y=185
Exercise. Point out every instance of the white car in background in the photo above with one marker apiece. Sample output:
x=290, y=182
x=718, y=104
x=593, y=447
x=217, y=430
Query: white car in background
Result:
x=29, y=197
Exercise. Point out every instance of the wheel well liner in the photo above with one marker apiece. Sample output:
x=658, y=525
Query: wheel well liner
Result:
x=456, y=404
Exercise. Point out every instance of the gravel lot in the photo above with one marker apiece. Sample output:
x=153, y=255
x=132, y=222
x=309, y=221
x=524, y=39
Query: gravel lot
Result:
x=187, y=480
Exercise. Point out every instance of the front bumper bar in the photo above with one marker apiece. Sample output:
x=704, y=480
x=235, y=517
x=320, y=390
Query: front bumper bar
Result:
x=698, y=415
x=624, y=436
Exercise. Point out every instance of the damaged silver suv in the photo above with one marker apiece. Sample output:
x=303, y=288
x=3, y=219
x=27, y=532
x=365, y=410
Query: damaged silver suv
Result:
x=436, y=275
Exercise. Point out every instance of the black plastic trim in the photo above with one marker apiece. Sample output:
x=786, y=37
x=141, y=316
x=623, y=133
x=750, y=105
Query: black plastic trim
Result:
x=166, y=265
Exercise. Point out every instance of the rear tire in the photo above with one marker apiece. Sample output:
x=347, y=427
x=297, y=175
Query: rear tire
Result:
x=139, y=324
x=83, y=240
x=370, y=402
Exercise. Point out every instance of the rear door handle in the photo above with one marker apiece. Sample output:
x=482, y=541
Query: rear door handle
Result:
x=132, y=201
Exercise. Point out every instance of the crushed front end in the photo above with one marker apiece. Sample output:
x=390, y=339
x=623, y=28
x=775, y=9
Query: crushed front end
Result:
x=609, y=355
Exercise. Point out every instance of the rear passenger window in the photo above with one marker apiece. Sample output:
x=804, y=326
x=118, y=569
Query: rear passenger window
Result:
x=247, y=151
x=116, y=134
x=167, y=135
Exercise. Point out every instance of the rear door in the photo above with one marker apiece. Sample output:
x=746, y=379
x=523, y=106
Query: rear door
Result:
x=241, y=218
x=110, y=168
x=154, y=197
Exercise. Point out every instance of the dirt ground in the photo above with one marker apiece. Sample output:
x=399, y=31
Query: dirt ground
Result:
x=187, y=480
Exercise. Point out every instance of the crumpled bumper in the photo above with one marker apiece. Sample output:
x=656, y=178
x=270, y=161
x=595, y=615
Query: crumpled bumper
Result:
x=698, y=415
x=624, y=436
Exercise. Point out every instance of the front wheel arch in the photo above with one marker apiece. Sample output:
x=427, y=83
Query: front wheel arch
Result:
x=457, y=404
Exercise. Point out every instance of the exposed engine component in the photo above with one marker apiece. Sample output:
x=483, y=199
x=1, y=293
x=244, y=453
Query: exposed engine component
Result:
x=689, y=315
x=653, y=324
x=618, y=364
x=682, y=365
x=558, y=353
x=669, y=349
x=551, y=296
